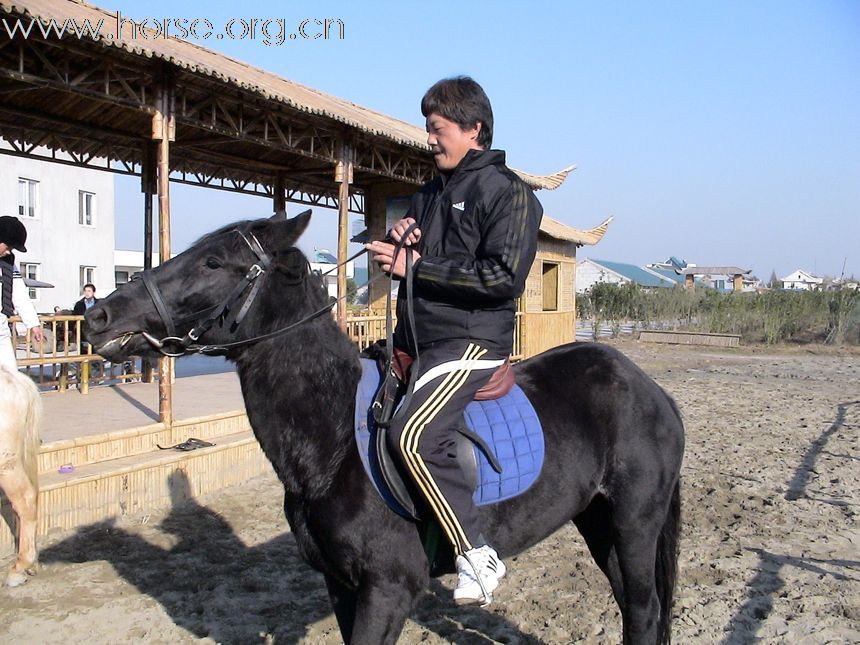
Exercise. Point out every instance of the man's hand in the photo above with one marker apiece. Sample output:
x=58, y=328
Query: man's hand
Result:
x=37, y=334
x=383, y=254
x=399, y=229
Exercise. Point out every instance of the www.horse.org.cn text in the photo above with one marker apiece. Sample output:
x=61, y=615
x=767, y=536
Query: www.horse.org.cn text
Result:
x=272, y=32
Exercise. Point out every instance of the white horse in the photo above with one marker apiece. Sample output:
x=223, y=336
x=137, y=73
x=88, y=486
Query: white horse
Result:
x=20, y=414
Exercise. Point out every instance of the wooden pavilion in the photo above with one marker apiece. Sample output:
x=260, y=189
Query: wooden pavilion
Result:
x=167, y=110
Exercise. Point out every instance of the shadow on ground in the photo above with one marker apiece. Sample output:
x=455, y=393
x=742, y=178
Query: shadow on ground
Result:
x=213, y=585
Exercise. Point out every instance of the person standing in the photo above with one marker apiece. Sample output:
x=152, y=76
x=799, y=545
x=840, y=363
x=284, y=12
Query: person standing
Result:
x=473, y=243
x=13, y=237
x=87, y=301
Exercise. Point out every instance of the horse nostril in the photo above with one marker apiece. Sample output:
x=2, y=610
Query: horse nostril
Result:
x=96, y=318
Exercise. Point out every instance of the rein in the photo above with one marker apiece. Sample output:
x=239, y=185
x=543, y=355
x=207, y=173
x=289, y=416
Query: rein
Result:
x=174, y=346
x=382, y=413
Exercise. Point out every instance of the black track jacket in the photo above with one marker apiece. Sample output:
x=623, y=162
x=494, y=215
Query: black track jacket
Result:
x=479, y=228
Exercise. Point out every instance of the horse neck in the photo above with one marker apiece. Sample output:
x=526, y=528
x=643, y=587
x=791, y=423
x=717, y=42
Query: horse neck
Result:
x=299, y=393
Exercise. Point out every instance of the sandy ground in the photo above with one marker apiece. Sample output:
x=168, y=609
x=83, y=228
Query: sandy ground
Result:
x=770, y=550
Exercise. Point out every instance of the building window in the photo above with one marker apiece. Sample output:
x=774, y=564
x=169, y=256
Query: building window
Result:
x=30, y=270
x=86, y=208
x=120, y=278
x=28, y=197
x=549, y=286
x=88, y=276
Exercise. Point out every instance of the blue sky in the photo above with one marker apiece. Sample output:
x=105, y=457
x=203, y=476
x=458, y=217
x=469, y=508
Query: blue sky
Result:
x=720, y=132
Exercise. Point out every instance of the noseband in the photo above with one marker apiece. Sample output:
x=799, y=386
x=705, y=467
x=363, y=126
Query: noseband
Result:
x=174, y=345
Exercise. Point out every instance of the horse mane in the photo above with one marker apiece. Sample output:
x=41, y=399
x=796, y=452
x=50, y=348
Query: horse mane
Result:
x=242, y=224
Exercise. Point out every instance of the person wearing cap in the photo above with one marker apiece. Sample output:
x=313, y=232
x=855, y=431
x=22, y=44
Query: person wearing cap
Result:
x=13, y=237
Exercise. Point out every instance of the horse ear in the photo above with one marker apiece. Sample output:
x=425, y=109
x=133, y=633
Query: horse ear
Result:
x=279, y=216
x=302, y=220
x=291, y=229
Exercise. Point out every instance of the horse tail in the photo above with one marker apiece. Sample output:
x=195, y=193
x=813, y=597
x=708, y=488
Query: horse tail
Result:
x=666, y=566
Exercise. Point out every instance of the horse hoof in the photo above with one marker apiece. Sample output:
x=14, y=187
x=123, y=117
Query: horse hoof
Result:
x=16, y=579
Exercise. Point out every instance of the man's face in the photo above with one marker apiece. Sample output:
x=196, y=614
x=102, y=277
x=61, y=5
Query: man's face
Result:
x=89, y=293
x=4, y=249
x=449, y=143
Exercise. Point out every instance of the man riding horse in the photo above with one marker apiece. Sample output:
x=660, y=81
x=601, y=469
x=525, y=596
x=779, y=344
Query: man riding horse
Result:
x=472, y=232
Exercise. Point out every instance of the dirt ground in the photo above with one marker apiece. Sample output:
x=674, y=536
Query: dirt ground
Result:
x=770, y=548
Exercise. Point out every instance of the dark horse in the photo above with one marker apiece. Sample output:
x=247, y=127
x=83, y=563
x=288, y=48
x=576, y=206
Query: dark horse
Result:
x=614, y=438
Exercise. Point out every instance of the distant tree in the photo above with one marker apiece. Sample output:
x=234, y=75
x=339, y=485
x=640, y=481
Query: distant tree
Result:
x=351, y=289
x=774, y=282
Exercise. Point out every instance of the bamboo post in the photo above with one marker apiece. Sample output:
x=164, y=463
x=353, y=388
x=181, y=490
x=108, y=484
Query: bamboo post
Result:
x=85, y=377
x=342, y=175
x=163, y=129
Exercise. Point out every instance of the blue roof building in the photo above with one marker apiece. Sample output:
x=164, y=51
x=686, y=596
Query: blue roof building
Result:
x=591, y=271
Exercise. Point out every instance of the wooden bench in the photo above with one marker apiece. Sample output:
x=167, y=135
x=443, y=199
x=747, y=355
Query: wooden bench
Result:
x=689, y=338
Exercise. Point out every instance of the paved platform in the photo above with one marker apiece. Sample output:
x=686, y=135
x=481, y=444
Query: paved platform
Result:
x=70, y=414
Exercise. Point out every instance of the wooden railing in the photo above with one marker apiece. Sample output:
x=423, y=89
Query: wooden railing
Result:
x=62, y=359
x=366, y=329
x=517, y=353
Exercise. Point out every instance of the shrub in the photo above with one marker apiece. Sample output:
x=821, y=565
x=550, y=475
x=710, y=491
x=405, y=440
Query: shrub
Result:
x=774, y=316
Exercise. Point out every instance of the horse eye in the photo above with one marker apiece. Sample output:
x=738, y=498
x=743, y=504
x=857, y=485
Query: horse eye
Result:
x=213, y=263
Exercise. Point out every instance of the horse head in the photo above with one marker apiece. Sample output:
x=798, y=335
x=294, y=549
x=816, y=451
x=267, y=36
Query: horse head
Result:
x=232, y=284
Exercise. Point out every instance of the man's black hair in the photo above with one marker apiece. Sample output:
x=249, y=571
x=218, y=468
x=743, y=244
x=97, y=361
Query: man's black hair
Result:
x=461, y=100
x=91, y=286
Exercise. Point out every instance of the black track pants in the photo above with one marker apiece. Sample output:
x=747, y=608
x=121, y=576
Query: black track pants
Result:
x=424, y=434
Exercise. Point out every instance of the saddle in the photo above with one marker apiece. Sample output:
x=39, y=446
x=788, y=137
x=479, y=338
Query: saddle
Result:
x=500, y=446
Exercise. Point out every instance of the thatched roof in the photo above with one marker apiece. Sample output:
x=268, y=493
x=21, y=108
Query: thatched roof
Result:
x=204, y=62
x=560, y=231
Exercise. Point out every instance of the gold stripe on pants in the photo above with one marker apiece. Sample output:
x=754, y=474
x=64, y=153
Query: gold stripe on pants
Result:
x=411, y=435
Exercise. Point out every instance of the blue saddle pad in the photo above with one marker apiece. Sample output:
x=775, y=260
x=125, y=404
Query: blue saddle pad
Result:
x=509, y=426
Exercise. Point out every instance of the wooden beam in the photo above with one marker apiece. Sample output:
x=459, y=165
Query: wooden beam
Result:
x=279, y=196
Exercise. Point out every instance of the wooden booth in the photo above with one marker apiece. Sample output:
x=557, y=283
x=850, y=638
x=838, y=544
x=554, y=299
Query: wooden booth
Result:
x=547, y=309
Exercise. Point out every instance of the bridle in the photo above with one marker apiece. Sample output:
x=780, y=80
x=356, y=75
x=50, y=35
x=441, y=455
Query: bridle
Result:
x=173, y=345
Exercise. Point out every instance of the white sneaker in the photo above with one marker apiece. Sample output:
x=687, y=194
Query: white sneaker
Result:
x=479, y=571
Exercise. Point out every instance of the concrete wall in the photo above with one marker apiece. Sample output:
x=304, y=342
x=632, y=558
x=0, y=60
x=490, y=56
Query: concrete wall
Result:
x=55, y=239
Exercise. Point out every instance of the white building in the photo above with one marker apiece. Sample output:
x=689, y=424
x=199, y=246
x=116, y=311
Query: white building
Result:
x=591, y=271
x=127, y=263
x=801, y=280
x=69, y=215
x=324, y=261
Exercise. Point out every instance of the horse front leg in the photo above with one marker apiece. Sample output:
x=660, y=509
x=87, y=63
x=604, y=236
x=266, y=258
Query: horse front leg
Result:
x=381, y=611
x=23, y=496
x=343, y=601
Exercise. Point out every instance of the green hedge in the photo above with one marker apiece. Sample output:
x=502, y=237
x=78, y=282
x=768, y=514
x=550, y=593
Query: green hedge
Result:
x=771, y=317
